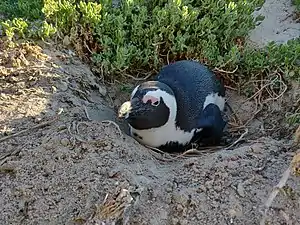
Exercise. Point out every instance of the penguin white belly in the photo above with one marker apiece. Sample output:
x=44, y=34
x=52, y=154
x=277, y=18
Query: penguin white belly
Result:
x=216, y=99
x=156, y=137
x=159, y=136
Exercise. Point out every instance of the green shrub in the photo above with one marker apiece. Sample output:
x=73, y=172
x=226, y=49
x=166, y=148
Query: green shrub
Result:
x=285, y=56
x=141, y=35
x=293, y=118
x=15, y=26
x=30, y=10
x=62, y=14
x=21, y=28
x=297, y=4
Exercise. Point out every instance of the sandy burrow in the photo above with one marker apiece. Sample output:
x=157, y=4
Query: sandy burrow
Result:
x=62, y=173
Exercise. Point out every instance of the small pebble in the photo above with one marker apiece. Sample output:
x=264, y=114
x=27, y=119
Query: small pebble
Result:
x=168, y=199
x=184, y=222
x=202, y=188
x=66, y=41
x=209, y=184
x=256, y=148
x=175, y=221
x=37, y=119
x=62, y=86
x=54, y=89
x=102, y=170
x=48, y=146
x=102, y=90
x=112, y=173
x=61, y=127
x=240, y=190
x=169, y=189
x=232, y=165
x=107, y=147
x=180, y=208
x=218, y=188
x=65, y=142
x=196, y=170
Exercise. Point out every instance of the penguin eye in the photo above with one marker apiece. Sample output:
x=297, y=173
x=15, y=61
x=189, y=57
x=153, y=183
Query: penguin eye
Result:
x=152, y=99
x=156, y=103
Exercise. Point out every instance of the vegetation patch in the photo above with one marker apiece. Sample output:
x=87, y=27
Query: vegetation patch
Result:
x=133, y=40
x=297, y=11
x=30, y=10
x=297, y=4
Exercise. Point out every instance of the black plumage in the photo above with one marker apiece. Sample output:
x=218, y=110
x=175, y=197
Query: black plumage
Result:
x=191, y=82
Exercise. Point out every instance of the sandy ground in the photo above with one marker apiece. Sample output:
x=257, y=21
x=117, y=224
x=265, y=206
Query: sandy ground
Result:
x=279, y=24
x=67, y=164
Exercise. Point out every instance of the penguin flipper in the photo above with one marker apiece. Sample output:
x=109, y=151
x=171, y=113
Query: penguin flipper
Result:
x=212, y=124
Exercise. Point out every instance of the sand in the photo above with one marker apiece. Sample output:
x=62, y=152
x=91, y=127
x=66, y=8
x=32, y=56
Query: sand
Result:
x=70, y=165
x=279, y=24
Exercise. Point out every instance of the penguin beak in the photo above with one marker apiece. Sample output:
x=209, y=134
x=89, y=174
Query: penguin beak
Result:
x=131, y=109
x=124, y=110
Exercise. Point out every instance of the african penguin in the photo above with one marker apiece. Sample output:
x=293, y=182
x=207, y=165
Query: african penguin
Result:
x=183, y=104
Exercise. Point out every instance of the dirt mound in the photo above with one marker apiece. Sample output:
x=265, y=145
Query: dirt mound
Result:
x=67, y=164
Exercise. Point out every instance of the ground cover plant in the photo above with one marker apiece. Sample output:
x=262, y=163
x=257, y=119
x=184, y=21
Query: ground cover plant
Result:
x=134, y=38
x=142, y=36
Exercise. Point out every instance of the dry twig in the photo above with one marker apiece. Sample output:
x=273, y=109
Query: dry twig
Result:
x=75, y=136
x=167, y=157
x=109, y=122
x=276, y=189
x=285, y=176
x=31, y=128
x=137, y=79
x=11, y=153
x=224, y=71
x=238, y=140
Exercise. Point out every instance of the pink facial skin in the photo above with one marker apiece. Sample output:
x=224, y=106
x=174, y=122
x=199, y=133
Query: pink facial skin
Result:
x=153, y=99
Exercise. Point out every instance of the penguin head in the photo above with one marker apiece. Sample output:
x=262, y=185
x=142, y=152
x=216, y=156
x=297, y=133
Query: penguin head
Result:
x=152, y=105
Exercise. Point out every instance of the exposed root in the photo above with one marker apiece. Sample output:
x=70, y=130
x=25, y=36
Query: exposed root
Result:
x=199, y=152
x=75, y=136
x=257, y=93
x=109, y=122
x=105, y=122
x=280, y=185
x=286, y=217
x=235, y=116
x=265, y=87
x=231, y=88
x=167, y=157
x=5, y=156
x=297, y=136
x=160, y=155
x=294, y=164
x=224, y=71
x=238, y=140
x=87, y=114
x=137, y=79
